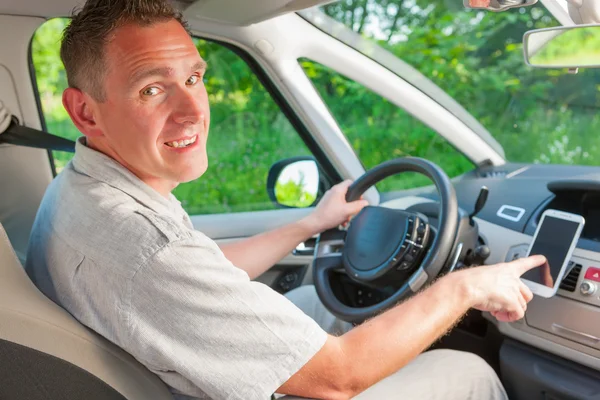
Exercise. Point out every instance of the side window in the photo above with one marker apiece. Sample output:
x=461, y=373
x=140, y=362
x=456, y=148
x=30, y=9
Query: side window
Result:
x=248, y=131
x=379, y=130
x=51, y=81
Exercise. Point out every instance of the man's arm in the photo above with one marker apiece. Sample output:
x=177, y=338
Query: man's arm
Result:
x=257, y=254
x=348, y=365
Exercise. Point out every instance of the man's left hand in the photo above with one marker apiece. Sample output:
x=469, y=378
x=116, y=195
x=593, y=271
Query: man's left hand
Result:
x=333, y=209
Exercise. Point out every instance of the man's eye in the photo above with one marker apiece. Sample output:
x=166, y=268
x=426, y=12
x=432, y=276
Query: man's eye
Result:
x=192, y=80
x=151, y=91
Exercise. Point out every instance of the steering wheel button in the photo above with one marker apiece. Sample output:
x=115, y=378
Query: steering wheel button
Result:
x=404, y=265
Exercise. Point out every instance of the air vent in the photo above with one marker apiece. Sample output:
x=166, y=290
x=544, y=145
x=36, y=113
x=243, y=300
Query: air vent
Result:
x=492, y=174
x=570, y=282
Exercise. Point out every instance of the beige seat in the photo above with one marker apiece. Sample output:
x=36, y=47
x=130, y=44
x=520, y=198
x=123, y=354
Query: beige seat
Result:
x=46, y=354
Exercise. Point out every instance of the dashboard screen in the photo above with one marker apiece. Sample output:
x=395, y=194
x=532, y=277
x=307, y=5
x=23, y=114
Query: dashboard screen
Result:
x=553, y=241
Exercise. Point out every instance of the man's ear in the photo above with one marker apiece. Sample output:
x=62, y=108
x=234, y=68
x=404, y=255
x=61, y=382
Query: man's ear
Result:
x=80, y=109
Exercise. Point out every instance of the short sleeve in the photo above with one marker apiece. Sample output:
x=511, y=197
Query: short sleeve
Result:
x=194, y=315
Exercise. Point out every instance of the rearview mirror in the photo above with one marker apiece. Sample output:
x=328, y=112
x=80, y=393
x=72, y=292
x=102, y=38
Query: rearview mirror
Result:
x=497, y=5
x=563, y=47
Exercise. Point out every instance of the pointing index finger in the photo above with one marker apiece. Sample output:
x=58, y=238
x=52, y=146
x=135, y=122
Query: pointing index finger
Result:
x=523, y=265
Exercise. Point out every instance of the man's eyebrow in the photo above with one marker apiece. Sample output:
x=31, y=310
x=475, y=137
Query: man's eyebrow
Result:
x=163, y=71
x=142, y=74
x=200, y=66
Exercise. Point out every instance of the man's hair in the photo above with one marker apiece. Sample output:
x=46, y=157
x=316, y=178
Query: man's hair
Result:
x=84, y=41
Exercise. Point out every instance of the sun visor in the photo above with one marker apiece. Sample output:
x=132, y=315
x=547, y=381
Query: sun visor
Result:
x=584, y=11
x=242, y=13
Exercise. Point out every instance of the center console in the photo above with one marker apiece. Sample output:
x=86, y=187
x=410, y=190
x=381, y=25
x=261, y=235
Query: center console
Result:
x=555, y=353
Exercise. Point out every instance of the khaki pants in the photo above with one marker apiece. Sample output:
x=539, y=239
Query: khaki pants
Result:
x=434, y=375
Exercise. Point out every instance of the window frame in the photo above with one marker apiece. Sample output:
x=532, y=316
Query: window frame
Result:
x=36, y=95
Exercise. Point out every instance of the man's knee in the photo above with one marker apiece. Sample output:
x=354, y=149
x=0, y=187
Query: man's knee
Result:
x=440, y=375
x=467, y=376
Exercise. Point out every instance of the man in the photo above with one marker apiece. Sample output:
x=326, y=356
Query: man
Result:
x=113, y=246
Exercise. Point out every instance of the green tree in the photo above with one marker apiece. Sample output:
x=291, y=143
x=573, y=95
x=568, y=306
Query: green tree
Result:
x=293, y=194
x=544, y=116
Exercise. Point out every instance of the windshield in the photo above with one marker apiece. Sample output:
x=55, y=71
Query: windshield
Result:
x=537, y=115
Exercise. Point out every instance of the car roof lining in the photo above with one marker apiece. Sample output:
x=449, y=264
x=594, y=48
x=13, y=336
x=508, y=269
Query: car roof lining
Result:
x=230, y=12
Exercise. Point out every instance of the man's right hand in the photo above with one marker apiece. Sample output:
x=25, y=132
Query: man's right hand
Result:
x=498, y=288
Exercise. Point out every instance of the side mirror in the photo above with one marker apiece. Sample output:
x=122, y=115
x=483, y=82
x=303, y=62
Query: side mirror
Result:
x=563, y=47
x=294, y=182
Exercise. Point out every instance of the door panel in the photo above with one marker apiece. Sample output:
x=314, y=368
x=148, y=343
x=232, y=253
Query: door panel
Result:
x=244, y=224
x=291, y=272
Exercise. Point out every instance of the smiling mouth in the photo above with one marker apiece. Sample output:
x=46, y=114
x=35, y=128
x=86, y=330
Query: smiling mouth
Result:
x=182, y=143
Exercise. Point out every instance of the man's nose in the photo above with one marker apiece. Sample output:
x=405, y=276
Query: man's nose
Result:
x=188, y=108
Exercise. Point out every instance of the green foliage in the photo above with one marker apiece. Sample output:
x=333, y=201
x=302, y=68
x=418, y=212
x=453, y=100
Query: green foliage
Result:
x=49, y=69
x=544, y=116
x=575, y=47
x=248, y=132
x=379, y=131
x=293, y=194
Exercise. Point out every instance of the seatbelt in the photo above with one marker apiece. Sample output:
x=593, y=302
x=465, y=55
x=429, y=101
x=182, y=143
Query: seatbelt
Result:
x=20, y=135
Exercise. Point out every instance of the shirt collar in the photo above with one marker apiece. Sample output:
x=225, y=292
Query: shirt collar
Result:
x=105, y=169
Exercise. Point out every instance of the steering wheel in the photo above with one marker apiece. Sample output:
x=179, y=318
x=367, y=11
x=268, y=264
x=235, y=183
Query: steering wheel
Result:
x=384, y=247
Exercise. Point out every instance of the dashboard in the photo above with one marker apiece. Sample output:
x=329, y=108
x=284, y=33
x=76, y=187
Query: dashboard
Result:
x=568, y=324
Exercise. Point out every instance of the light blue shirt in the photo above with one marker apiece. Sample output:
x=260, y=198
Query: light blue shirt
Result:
x=126, y=262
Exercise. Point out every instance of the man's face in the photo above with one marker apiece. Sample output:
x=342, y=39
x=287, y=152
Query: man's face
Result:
x=155, y=103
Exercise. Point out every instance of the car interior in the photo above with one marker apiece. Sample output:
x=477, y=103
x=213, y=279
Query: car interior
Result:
x=486, y=215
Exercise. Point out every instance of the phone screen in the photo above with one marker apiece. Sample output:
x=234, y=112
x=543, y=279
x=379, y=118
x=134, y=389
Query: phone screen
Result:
x=553, y=241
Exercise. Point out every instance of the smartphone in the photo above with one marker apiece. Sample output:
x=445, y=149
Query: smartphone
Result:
x=555, y=238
